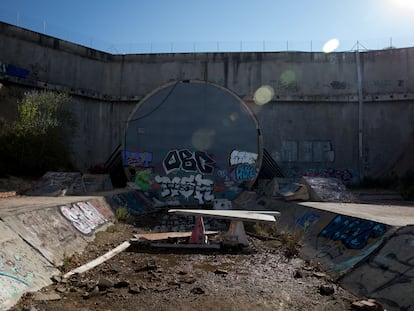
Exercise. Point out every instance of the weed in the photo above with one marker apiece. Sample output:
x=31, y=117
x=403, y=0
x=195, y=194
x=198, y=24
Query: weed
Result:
x=291, y=242
x=66, y=262
x=122, y=214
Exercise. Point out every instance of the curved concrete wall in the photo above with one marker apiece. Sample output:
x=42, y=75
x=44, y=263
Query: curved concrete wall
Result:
x=310, y=126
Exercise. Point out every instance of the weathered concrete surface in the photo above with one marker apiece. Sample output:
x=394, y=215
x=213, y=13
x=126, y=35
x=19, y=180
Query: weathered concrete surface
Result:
x=37, y=233
x=368, y=248
x=61, y=230
x=389, y=214
x=22, y=268
x=388, y=274
x=310, y=127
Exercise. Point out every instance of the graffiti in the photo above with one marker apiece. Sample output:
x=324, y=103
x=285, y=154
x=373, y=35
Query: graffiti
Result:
x=307, y=220
x=245, y=172
x=353, y=233
x=188, y=161
x=345, y=175
x=338, y=85
x=14, y=277
x=137, y=159
x=134, y=201
x=242, y=157
x=14, y=71
x=188, y=186
x=393, y=268
x=83, y=216
x=142, y=180
x=381, y=84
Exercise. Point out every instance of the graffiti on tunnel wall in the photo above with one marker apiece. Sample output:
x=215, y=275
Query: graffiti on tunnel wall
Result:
x=192, y=186
x=198, y=161
x=137, y=159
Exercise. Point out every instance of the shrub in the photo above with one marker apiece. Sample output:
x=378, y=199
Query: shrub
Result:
x=37, y=141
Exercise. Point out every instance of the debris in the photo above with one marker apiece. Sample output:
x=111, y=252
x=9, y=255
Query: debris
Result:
x=198, y=291
x=105, y=283
x=98, y=260
x=327, y=190
x=221, y=271
x=320, y=275
x=369, y=304
x=294, y=191
x=121, y=284
x=298, y=274
x=326, y=290
x=39, y=296
x=134, y=290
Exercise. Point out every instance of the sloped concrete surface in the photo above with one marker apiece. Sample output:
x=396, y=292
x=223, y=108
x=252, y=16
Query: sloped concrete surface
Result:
x=22, y=268
x=38, y=232
x=368, y=248
x=387, y=275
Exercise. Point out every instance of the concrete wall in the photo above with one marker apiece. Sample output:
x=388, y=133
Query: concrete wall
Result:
x=310, y=126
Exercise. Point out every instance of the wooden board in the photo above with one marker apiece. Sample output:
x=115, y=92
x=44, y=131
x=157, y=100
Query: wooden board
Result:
x=226, y=214
x=166, y=235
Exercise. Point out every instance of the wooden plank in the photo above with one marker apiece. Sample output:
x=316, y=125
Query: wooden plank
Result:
x=167, y=235
x=188, y=246
x=98, y=260
x=226, y=214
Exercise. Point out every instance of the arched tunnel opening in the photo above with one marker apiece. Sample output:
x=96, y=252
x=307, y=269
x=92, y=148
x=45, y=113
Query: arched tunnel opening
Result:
x=190, y=142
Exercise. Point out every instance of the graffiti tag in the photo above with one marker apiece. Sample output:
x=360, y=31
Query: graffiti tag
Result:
x=137, y=159
x=245, y=172
x=188, y=186
x=242, y=157
x=198, y=161
x=83, y=216
x=353, y=233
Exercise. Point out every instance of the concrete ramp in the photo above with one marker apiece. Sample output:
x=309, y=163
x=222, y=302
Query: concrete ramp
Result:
x=336, y=241
x=327, y=190
x=387, y=275
x=62, y=230
x=22, y=268
x=70, y=183
x=371, y=254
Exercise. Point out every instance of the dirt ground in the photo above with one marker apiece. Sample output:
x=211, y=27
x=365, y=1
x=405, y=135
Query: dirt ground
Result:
x=265, y=276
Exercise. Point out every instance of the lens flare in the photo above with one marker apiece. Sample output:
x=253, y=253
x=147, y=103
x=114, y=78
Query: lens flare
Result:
x=287, y=77
x=234, y=116
x=330, y=46
x=263, y=95
x=203, y=139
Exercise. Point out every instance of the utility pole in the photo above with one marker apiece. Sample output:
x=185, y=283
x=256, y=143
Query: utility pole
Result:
x=360, y=115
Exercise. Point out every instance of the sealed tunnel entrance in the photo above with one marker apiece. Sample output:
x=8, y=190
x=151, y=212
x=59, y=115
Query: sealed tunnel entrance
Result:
x=191, y=142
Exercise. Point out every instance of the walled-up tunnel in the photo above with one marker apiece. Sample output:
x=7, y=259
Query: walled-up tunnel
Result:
x=191, y=142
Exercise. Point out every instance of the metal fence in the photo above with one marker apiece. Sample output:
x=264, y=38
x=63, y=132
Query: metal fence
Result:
x=198, y=47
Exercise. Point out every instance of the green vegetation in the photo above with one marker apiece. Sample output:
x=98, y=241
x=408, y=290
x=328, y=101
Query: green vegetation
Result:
x=122, y=214
x=37, y=141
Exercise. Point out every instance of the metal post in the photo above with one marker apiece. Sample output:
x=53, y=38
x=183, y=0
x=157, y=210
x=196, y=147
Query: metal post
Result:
x=360, y=115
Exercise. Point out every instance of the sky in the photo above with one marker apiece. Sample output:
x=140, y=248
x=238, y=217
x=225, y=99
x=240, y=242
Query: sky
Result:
x=220, y=25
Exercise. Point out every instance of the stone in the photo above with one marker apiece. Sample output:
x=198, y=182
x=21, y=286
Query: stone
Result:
x=198, y=291
x=326, y=290
x=105, y=283
x=39, y=296
x=221, y=271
